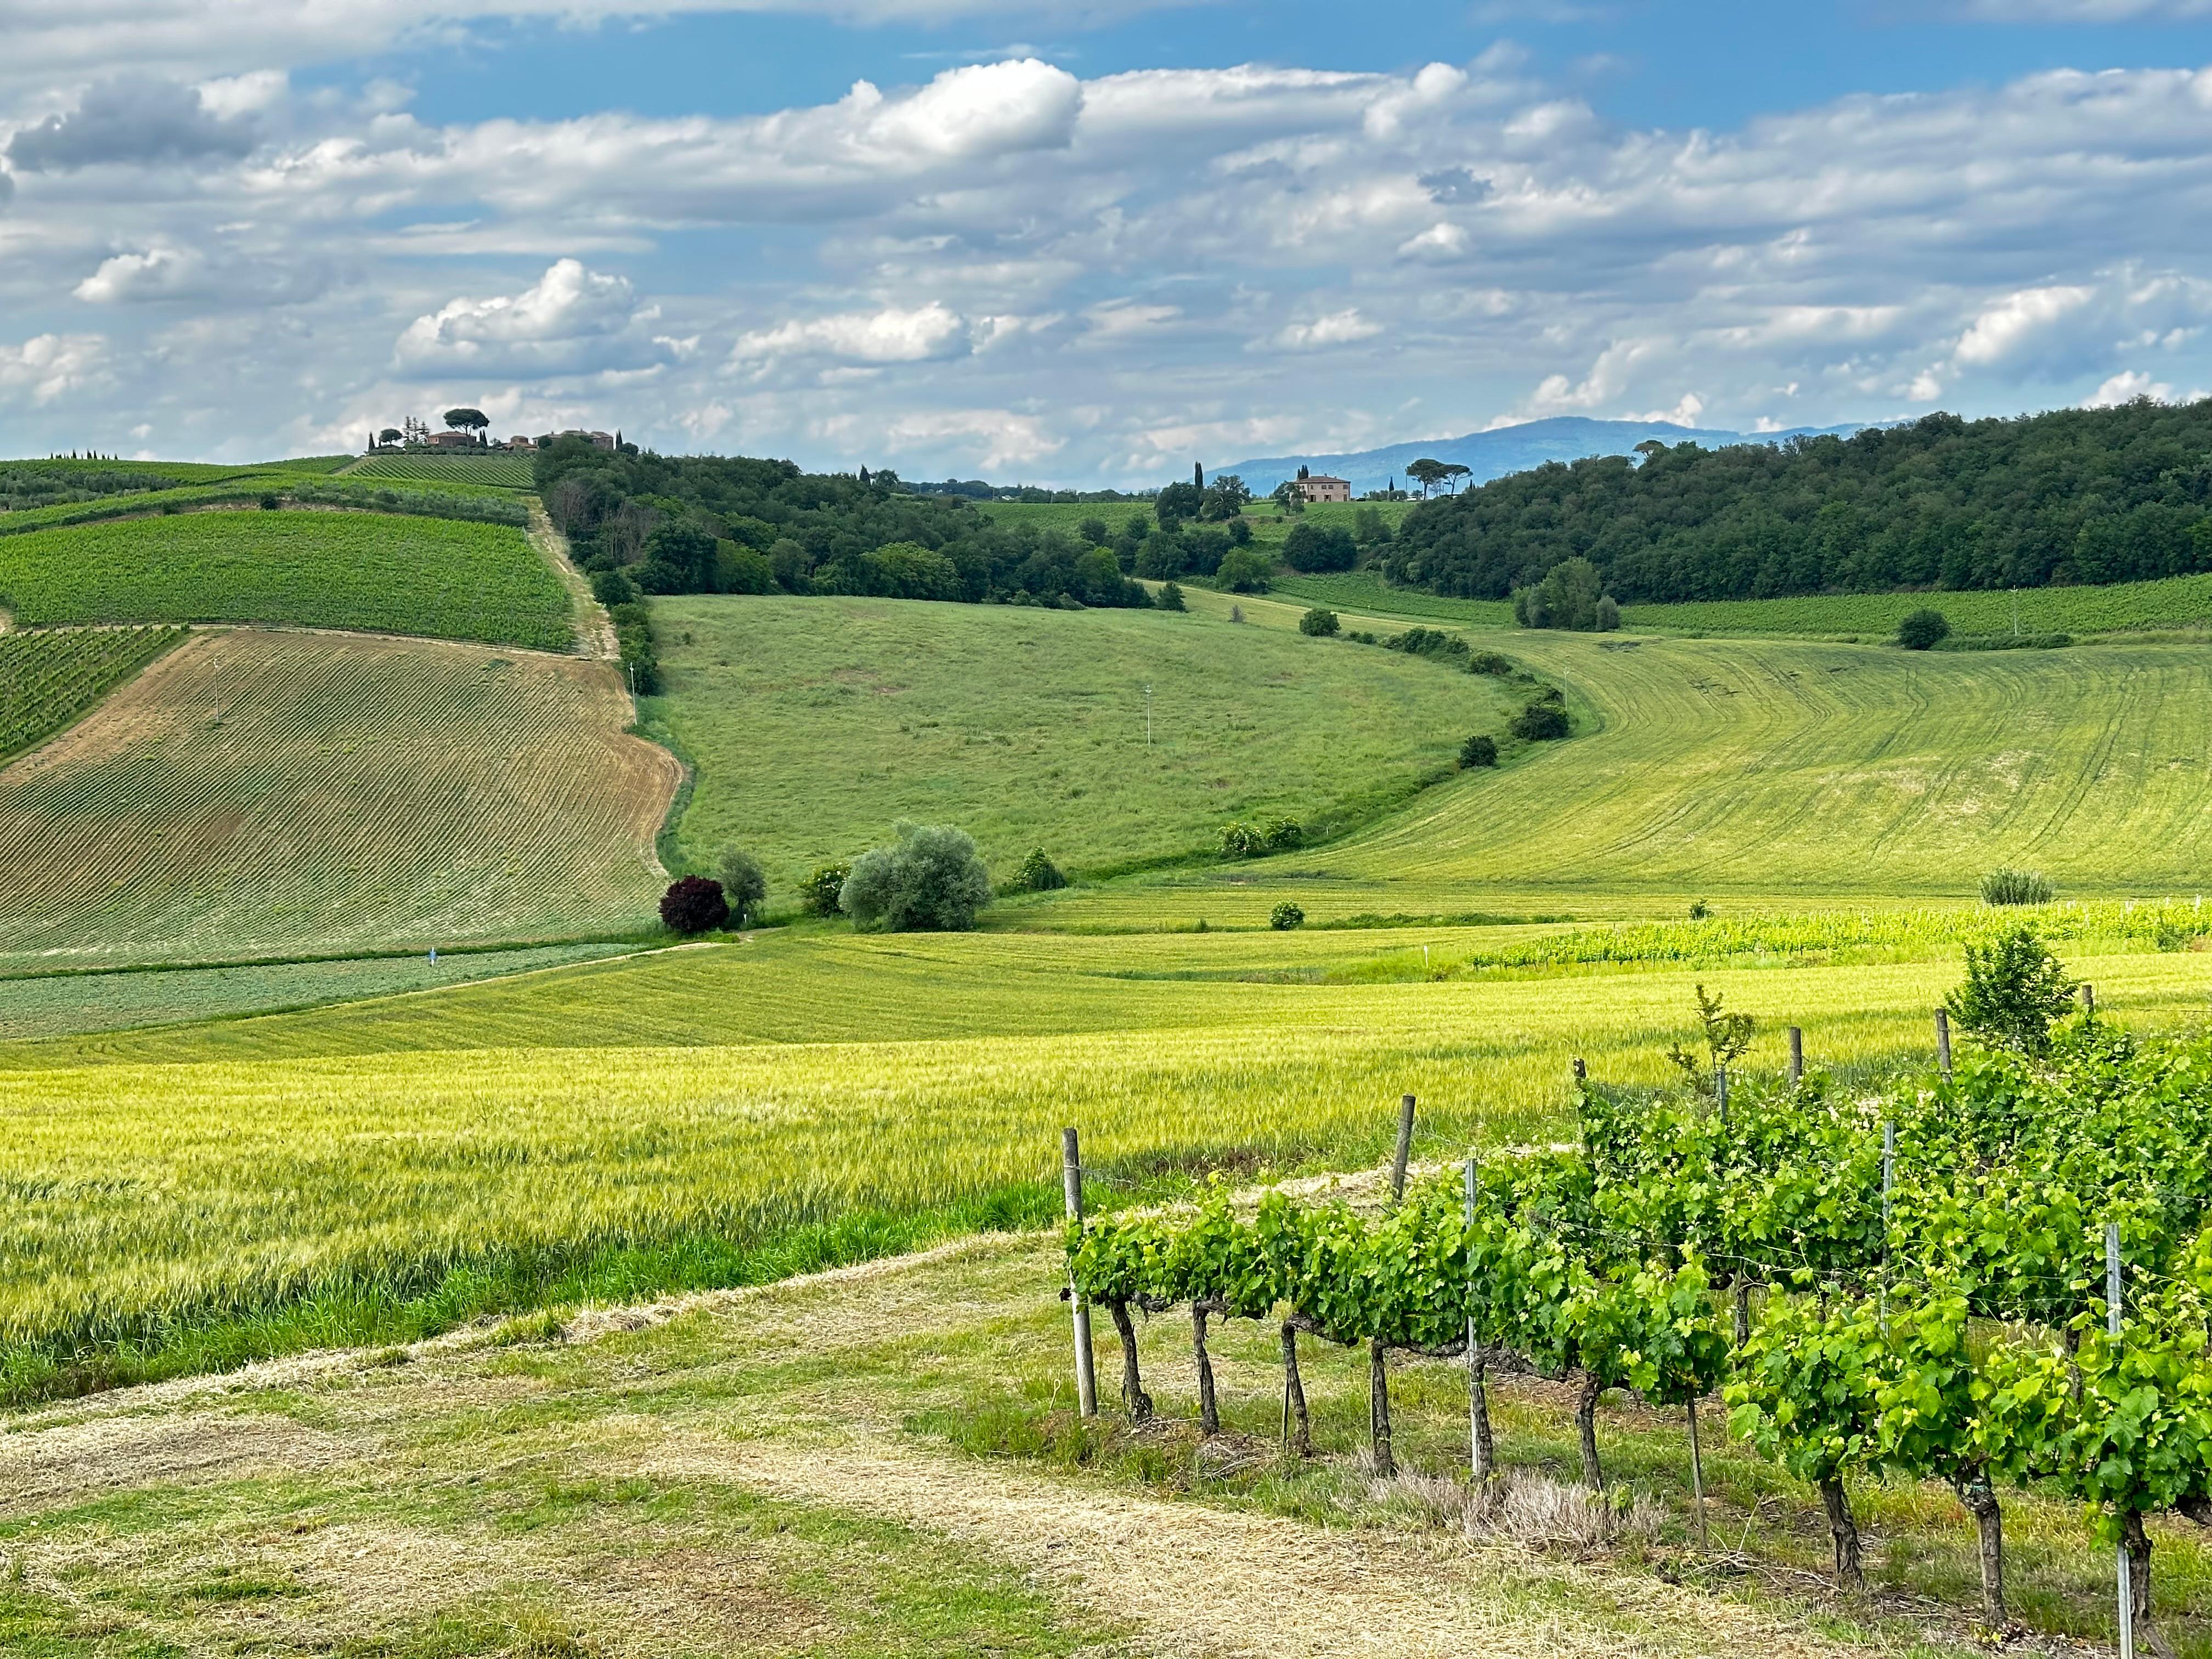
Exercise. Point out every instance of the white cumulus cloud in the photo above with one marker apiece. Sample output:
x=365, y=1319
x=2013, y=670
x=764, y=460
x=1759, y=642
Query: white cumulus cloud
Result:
x=46, y=365
x=892, y=335
x=571, y=319
x=1339, y=328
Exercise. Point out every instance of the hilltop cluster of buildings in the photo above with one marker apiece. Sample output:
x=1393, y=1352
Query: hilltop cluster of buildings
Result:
x=417, y=434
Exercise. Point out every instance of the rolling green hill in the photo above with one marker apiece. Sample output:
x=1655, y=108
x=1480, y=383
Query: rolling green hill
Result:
x=815, y=723
x=392, y=573
x=1785, y=772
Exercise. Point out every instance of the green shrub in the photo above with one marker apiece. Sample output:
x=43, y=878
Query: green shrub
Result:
x=270, y=502
x=819, y=893
x=1170, y=597
x=1039, y=875
x=1285, y=916
x=614, y=588
x=1922, y=629
x=1242, y=841
x=1281, y=834
x=930, y=881
x=1542, y=721
x=1495, y=664
x=745, y=887
x=2015, y=990
x=1428, y=643
x=1481, y=750
x=1699, y=910
x=2006, y=885
x=1244, y=570
x=1318, y=622
x=1609, y=614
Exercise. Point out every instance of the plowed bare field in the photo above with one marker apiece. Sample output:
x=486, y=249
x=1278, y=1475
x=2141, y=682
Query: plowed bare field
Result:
x=255, y=792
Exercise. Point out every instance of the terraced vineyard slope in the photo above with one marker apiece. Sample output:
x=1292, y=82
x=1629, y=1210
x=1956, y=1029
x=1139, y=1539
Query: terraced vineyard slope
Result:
x=403, y=574
x=814, y=723
x=253, y=794
x=507, y=471
x=50, y=677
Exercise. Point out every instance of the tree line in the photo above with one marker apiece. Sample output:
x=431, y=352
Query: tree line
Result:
x=737, y=524
x=2070, y=497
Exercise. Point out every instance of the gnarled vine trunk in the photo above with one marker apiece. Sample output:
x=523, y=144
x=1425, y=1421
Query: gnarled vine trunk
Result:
x=1294, y=1394
x=1742, y=1312
x=1586, y=1424
x=1378, y=1407
x=1980, y=1499
x=1846, y=1533
x=1209, y=1415
x=2138, y=1542
x=1477, y=1406
x=1134, y=1399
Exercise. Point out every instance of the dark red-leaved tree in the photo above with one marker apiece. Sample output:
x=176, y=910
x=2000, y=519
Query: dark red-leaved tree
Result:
x=693, y=905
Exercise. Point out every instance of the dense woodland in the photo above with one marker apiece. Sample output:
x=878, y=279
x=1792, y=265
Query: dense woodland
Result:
x=2075, y=496
x=712, y=525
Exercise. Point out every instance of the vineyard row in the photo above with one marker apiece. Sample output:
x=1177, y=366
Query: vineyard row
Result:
x=1934, y=1273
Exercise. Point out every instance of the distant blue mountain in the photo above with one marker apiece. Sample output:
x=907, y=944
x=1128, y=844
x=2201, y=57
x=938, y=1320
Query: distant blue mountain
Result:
x=1506, y=449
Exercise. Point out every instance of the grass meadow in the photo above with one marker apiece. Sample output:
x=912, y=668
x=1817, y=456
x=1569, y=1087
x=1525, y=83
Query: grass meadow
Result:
x=814, y=723
x=255, y=793
x=1767, y=773
x=359, y=570
x=71, y=1003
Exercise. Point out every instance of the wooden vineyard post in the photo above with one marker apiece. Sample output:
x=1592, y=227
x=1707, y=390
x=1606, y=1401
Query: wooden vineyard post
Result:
x=1943, y=1041
x=1697, y=1481
x=2088, y=999
x=2125, y=1568
x=1404, y=1148
x=1478, y=1403
x=1797, y=1056
x=1582, y=1072
x=1086, y=1372
x=1720, y=1091
x=1378, y=1371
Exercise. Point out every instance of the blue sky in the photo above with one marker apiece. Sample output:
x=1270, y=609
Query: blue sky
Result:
x=1088, y=244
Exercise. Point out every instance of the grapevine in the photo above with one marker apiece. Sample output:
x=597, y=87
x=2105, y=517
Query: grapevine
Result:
x=1947, y=1324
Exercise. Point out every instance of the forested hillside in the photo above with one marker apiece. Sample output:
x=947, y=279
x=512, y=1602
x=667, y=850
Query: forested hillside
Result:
x=2075, y=496
x=735, y=525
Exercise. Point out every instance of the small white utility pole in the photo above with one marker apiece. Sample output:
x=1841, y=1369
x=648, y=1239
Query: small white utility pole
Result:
x=1148, y=717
